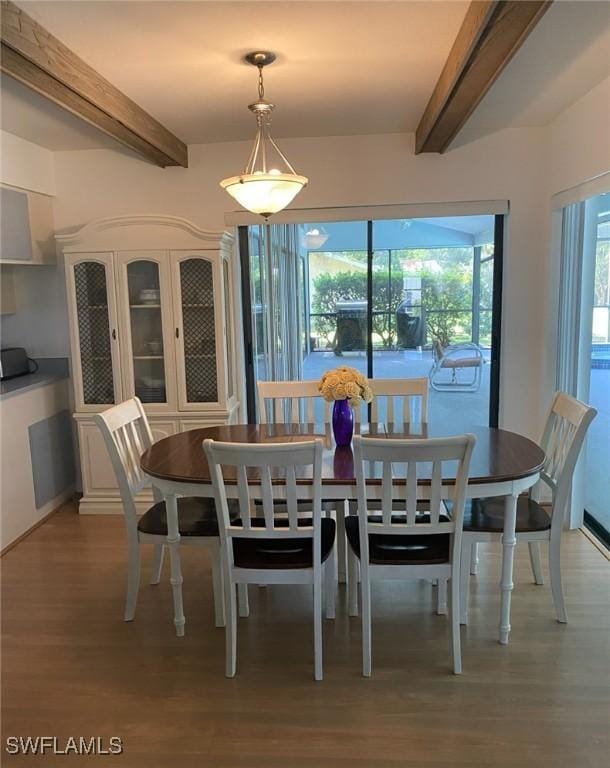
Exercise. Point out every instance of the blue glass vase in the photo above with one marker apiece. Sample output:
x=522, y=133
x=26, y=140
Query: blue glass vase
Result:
x=343, y=423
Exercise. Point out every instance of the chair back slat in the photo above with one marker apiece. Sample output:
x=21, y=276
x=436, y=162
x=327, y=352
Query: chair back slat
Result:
x=436, y=494
x=564, y=433
x=271, y=472
x=407, y=392
x=243, y=497
x=411, y=493
x=127, y=435
x=267, y=493
x=405, y=465
x=309, y=401
x=291, y=498
x=386, y=495
x=289, y=402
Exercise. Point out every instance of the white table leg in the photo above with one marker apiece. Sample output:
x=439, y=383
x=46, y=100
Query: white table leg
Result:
x=173, y=541
x=508, y=551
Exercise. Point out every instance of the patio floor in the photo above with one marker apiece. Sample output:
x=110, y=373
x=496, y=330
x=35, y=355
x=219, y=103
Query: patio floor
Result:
x=460, y=409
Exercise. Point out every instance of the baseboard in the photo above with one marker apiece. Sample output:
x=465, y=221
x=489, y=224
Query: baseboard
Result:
x=596, y=542
x=111, y=506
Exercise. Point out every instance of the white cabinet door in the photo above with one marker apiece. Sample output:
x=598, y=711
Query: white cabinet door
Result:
x=93, y=323
x=200, y=347
x=96, y=468
x=146, y=323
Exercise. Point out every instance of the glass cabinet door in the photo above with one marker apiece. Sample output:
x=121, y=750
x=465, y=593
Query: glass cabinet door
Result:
x=95, y=337
x=146, y=327
x=196, y=297
x=144, y=279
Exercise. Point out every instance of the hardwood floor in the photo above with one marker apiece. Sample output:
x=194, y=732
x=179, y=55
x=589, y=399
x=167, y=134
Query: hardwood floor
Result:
x=72, y=667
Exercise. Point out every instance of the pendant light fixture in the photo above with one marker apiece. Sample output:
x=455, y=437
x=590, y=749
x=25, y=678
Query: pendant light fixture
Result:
x=268, y=182
x=315, y=237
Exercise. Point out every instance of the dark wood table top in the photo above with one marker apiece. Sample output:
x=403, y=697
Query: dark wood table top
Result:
x=498, y=456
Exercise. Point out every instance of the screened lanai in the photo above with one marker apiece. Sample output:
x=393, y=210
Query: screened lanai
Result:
x=418, y=302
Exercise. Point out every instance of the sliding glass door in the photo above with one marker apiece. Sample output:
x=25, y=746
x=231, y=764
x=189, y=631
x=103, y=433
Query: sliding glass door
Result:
x=432, y=309
x=392, y=298
x=596, y=312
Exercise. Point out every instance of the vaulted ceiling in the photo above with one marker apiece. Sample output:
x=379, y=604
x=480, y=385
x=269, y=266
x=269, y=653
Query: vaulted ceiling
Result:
x=343, y=67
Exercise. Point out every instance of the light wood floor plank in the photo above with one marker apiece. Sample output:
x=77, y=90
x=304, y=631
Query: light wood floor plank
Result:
x=72, y=667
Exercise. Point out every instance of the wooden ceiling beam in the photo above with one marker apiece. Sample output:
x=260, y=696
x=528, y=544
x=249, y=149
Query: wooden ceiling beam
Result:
x=490, y=35
x=32, y=55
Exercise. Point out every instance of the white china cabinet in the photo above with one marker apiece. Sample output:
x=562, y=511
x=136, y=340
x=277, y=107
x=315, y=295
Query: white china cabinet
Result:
x=152, y=314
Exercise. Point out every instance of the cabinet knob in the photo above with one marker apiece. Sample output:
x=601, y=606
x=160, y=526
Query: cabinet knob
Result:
x=114, y=334
x=177, y=333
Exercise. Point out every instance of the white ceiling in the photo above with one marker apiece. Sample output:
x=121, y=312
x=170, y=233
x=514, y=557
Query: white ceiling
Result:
x=343, y=67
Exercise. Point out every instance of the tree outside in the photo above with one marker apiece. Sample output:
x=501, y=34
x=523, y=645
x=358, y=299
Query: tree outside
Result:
x=446, y=275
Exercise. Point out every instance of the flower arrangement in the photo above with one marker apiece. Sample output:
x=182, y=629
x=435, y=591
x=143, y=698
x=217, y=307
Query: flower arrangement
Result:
x=345, y=383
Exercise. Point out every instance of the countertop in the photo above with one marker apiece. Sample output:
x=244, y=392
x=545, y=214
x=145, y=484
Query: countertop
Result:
x=50, y=370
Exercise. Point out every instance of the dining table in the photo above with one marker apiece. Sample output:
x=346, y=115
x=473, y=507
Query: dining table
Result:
x=504, y=464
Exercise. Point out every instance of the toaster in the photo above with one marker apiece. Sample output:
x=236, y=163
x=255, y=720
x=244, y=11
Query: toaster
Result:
x=15, y=362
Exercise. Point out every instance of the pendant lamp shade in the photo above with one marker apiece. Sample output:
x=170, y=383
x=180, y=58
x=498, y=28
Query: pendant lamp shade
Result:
x=264, y=193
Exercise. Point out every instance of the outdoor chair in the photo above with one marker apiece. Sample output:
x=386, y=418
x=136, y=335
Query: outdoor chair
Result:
x=454, y=358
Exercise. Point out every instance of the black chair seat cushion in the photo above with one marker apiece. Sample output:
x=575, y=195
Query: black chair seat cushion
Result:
x=399, y=549
x=282, y=553
x=487, y=515
x=196, y=517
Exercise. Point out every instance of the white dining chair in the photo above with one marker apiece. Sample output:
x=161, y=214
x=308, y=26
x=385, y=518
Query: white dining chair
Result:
x=564, y=433
x=290, y=402
x=294, y=402
x=127, y=435
x=274, y=548
x=394, y=543
x=406, y=401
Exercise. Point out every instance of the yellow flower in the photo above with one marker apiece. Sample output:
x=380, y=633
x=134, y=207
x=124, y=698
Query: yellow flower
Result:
x=345, y=382
x=352, y=389
x=339, y=391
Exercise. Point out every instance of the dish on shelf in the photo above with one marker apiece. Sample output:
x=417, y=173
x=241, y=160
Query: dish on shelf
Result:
x=151, y=394
x=149, y=295
x=155, y=347
x=151, y=383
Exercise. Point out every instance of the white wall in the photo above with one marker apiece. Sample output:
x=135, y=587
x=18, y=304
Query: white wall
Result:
x=577, y=148
x=578, y=141
x=345, y=171
x=26, y=165
x=40, y=322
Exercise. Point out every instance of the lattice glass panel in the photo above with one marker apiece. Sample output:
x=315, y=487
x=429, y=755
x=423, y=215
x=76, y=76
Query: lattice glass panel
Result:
x=197, y=288
x=94, y=332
